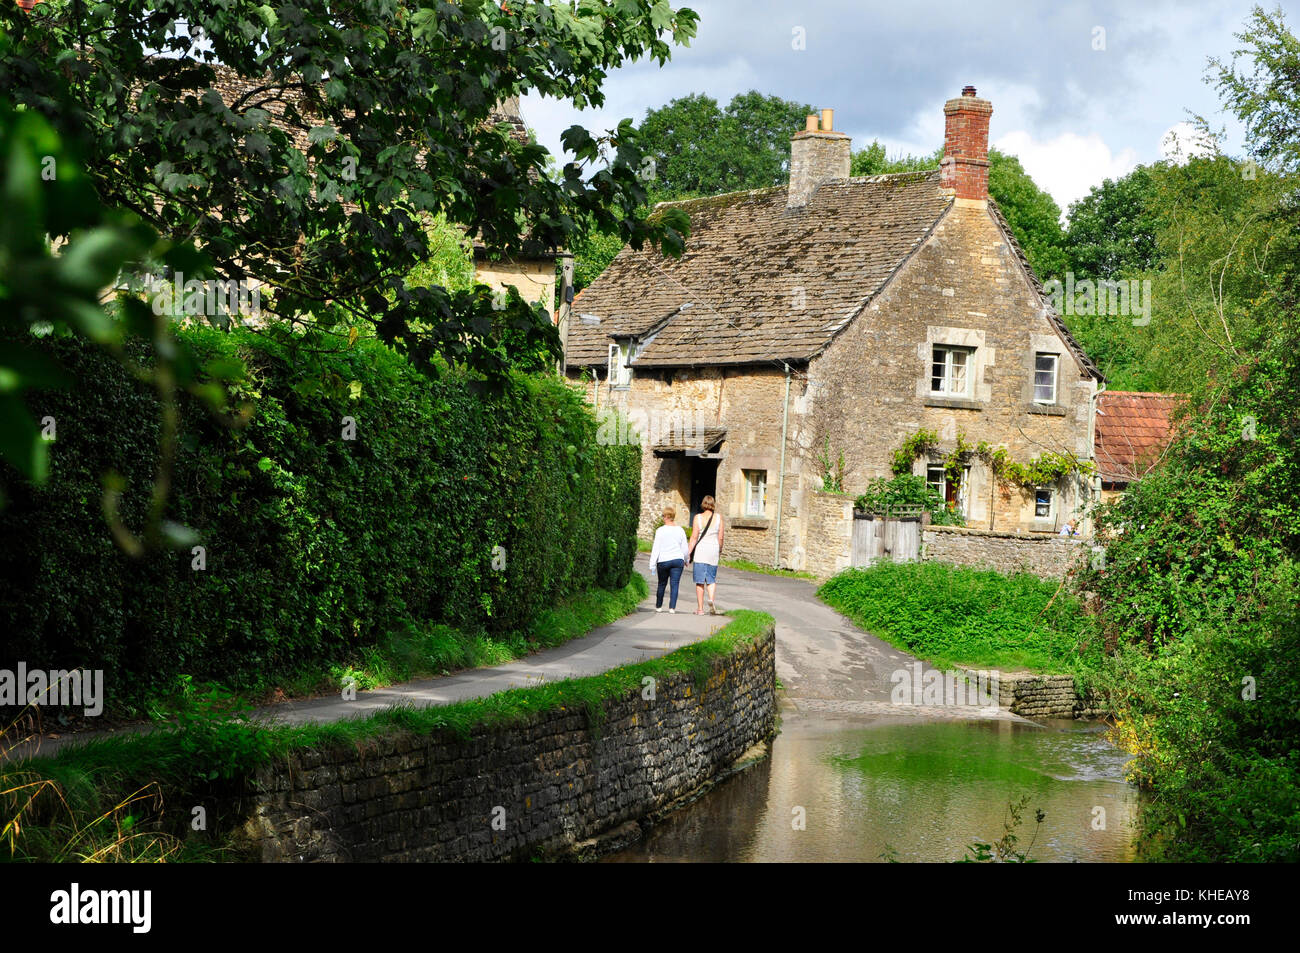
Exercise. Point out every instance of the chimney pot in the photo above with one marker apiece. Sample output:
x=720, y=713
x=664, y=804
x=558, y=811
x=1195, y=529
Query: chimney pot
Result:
x=965, y=165
x=810, y=124
x=827, y=116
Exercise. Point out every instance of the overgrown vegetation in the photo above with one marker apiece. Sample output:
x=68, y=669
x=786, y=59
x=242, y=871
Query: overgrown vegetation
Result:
x=362, y=499
x=216, y=748
x=952, y=615
x=1200, y=582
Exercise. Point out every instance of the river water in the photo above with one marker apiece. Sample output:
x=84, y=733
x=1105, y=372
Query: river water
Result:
x=861, y=789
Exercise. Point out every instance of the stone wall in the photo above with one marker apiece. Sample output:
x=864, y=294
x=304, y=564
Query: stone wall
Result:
x=550, y=782
x=830, y=533
x=1043, y=696
x=1008, y=552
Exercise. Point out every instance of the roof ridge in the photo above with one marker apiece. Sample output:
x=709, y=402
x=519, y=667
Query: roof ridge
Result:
x=919, y=175
x=724, y=195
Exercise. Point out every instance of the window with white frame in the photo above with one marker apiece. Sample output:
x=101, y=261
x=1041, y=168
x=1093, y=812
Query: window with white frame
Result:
x=950, y=371
x=937, y=480
x=755, y=492
x=1043, y=503
x=622, y=353
x=952, y=493
x=1045, y=378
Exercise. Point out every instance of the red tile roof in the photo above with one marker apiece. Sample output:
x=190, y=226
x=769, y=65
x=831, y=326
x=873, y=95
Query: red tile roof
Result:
x=1133, y=429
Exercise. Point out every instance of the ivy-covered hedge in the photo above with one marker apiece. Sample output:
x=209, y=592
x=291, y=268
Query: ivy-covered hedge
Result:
x=315, y=545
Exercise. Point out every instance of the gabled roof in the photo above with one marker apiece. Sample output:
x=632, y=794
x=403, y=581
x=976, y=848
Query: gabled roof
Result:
x=1133, y=429
x=760, y=282
x=1083, y=359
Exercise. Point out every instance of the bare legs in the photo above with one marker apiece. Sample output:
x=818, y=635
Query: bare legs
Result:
x=699, y=594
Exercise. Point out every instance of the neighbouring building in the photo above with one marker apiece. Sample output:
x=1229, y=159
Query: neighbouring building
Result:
x=1132, y=431
x=841, y=313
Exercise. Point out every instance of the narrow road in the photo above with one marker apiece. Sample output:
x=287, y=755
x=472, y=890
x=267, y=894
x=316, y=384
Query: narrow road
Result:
x=825, y=663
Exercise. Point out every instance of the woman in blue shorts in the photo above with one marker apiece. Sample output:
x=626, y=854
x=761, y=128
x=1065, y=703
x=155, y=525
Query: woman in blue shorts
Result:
x=706, y=549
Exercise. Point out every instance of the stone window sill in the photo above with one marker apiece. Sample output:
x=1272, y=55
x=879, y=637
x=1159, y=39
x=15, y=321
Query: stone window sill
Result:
x=749, y=522
x=960, y=403
x=1051, y=410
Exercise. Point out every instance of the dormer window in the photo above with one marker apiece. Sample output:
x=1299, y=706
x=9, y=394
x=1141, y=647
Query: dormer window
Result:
x=622, y=373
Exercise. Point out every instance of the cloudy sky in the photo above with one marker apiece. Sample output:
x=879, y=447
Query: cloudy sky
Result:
x=1081, y=92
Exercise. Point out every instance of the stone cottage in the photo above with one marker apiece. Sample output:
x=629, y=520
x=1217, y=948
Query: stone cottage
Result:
x=833, y=316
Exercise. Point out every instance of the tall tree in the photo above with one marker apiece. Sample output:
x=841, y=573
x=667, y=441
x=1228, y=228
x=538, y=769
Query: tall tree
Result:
x=1266, y=98
x=1112, y=230
x=1033, y=215
x=394, y=102
x=700, y=149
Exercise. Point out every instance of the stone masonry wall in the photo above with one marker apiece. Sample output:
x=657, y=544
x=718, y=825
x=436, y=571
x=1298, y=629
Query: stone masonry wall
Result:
x=1044, y=696
x=1046, y=556
x=558, y=779
x=869, y=389
x=830, y=532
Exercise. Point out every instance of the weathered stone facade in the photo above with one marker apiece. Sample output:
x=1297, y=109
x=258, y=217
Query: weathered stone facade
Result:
x=552, y=781
x=800, y=323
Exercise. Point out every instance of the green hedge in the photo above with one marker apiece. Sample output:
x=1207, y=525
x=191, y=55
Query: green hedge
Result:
x=316, y=546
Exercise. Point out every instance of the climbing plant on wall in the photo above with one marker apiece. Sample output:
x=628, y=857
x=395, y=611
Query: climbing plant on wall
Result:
x=1045, y=469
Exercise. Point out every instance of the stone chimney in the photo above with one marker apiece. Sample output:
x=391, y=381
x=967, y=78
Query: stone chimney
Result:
x=965, y=164
x=817, y=154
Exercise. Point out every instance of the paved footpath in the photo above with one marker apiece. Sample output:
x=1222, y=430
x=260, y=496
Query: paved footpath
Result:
x=826, y=664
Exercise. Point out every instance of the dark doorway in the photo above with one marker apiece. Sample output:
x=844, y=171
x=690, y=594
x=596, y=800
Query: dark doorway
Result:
x=704, y=482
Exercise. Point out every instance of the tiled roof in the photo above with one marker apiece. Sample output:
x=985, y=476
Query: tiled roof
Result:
x=759, y=282
x=1133, y=429
x=691, y=439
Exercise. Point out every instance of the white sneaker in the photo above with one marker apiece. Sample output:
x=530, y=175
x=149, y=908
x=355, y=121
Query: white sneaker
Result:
x=673, y=611
x=659, y=608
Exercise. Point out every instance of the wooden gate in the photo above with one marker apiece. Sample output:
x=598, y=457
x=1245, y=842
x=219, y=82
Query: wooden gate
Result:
x=894, y=535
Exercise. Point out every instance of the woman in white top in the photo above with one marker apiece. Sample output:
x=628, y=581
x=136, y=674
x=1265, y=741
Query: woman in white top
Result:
x=706, y=550
x=668, y=558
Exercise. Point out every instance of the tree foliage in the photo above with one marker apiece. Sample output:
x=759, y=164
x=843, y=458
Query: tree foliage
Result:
x=357, y=124
x=336, y=517
x=701, y=149
x=1197, y=577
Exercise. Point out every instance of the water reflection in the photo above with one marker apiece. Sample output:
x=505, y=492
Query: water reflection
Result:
x=922, y=789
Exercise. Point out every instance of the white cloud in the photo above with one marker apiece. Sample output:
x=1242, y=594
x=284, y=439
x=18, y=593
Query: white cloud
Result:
x=1068, y=165
x=1183, y=140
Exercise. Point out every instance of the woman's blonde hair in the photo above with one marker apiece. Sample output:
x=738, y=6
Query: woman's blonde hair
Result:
x=669, y=514
x=707, y=503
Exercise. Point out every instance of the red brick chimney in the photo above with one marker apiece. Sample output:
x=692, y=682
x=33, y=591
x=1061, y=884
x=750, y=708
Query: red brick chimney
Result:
x=965, y=162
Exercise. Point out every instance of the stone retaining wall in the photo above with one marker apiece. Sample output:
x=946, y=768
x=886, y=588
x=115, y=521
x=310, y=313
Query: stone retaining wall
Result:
x=540, y=787
x=1043, y=696
x=1008, y=552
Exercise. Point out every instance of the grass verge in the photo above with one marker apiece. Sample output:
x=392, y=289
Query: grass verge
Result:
x=424, y=651
x=748, y=566
x=951, y=615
